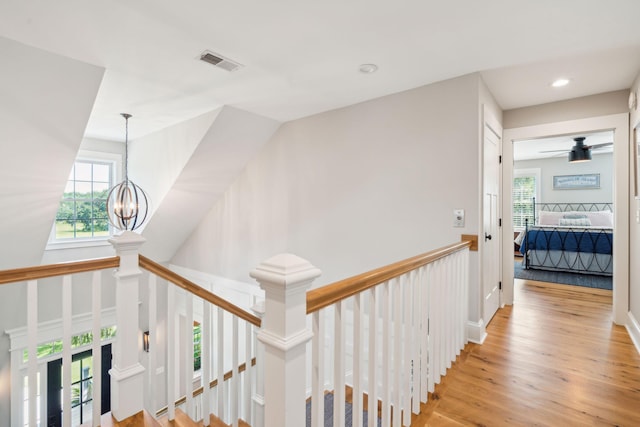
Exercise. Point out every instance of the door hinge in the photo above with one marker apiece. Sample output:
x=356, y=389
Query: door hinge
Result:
x=499, y=222
x=500, y=159
x=500, y=285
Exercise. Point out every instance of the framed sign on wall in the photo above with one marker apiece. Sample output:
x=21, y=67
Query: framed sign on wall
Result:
x=576, y=182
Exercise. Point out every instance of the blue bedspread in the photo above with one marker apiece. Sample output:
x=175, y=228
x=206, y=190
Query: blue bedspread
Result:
x=569, y=239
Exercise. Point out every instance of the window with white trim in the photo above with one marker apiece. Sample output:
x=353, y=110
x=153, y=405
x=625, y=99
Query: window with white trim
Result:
x=526, y=186
x=82, y=213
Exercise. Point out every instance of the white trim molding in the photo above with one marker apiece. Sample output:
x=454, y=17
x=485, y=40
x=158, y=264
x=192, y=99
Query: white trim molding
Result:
x=476, y=331
x=633, y=327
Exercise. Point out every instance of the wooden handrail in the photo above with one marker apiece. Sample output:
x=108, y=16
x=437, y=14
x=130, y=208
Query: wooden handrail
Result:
x=189, y=286
x=320, y=298
x=60, y=269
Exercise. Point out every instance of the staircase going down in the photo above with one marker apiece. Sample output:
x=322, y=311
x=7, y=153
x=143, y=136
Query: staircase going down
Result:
x=183, y=420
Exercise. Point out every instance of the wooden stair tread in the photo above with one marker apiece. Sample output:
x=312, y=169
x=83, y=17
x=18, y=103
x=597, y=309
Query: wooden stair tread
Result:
x=183, y=420
x=141, y=419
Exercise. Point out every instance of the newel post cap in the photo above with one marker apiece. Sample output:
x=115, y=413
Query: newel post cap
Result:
x=128, y=240
x=285, y=270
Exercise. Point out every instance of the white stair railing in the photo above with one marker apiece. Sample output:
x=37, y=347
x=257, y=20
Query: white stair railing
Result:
x=227, y=358
x=407, y=328
x=389, y=334
x=26, y=341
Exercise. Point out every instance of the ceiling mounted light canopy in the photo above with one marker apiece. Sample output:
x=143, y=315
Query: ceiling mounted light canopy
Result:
x=368, y=68
x=579, y=152
x=127, y=203
x=560, y=82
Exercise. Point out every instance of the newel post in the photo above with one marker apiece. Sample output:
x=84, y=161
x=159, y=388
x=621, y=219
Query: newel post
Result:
x=127, y=374
x=285, y=279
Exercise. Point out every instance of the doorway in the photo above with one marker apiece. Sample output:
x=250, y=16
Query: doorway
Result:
x=81, y=388
x=619, y=124
x=562, y=209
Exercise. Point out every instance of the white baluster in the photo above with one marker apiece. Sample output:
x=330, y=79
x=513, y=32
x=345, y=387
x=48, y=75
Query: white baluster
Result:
x=220, y=367
x=448, y=312
x=187, y=342
x=442, y=314
x=96, y=346
x=235, y=397
x=465, y=297
x=32, y=346
x=397, y=345
x=387, y=352
x=66, y=351
x=171, y=352
x=338, y=366
x=424, y=334
x=248, y=373
x=258, y=392
x=432, y=278
x=205, y=359
x=373, y=358
x=358, y=361
x=415, y=340
x=317, y=364
x=407, y=308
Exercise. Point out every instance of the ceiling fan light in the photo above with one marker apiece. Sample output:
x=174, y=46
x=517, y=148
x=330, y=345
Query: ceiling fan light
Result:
x=579, y=154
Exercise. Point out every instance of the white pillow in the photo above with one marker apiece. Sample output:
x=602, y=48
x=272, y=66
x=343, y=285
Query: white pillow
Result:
x=549, y=218
x=575, y=222
x=601, y=219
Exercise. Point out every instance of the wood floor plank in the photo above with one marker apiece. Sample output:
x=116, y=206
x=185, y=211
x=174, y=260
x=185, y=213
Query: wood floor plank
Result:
x=553, y=358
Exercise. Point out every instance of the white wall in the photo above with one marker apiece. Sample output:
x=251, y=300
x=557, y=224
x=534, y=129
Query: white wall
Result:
x=43, y=114
x=634, y=229
x=352, y=189
x=550, y=167
x=227, y=139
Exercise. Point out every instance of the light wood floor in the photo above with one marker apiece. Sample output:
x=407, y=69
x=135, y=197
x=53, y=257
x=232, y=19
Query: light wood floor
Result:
x=554, y=358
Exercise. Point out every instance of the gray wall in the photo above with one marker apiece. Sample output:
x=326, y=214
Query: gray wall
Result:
x=355, y=188
x=550, y=167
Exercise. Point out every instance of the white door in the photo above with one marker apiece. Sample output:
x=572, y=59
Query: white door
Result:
x=491, y=232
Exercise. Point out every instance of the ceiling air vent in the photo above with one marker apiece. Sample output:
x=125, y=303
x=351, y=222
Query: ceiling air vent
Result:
x=219, y=61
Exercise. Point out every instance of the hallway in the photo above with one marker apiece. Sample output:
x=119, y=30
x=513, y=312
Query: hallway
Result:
x=553, y=358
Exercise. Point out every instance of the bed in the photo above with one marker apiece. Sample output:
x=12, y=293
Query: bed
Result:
x=573, y=237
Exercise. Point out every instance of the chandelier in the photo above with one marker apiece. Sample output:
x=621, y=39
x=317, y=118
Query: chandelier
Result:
x=127, y=203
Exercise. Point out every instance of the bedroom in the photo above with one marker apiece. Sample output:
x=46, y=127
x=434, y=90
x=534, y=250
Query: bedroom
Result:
x=566, y=208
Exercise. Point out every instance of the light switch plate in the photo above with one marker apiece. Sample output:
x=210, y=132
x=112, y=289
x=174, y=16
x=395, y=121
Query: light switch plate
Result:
x=458, y=217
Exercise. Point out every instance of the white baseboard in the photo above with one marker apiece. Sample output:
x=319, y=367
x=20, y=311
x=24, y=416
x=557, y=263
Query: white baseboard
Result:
x=476, y=331
x=633, y=327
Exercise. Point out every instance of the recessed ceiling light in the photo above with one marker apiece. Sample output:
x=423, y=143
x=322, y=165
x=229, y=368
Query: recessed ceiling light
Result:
x=368, y=68
x=560, y=82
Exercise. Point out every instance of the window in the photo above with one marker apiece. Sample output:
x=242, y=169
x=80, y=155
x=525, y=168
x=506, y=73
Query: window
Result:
x=53, y=347
x=526, y=183
x=197, y=346
x=82, y=213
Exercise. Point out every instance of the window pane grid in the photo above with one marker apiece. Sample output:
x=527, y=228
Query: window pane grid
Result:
x=524, y=190
x=82, y=212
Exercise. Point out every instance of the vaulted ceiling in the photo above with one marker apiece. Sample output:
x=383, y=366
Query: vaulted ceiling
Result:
x=71, y=66
x=302, y=58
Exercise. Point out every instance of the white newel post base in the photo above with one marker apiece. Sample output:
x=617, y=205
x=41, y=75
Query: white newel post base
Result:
x=127, y=374
x=284, y=333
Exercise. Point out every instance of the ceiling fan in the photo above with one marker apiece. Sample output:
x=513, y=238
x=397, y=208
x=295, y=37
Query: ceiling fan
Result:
x=581, y=152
